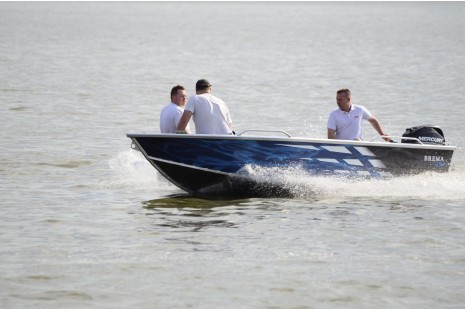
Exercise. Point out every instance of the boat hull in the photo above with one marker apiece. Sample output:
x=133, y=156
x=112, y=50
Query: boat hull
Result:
x=207, y=164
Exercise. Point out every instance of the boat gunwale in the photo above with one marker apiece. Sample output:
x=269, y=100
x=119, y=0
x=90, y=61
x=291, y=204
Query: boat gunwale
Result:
x=294, y=139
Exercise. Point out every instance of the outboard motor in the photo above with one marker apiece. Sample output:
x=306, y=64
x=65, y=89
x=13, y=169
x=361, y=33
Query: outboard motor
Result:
x=427, y=134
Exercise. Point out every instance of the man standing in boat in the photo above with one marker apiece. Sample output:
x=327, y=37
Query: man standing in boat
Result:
x=172, y=112
x=210, y=113
x=345, y=122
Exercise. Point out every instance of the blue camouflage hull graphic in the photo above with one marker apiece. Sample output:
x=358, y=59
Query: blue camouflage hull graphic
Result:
x=226, y=157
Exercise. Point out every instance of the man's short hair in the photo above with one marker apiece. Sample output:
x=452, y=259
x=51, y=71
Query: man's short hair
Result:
x=174, y=90
x=202, y=84
x=344, y=91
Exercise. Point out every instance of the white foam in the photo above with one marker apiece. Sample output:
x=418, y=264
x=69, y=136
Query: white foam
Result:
x=426, y=185
x=129, y=169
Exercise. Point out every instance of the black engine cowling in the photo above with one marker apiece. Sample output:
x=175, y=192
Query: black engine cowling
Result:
x=427, y=134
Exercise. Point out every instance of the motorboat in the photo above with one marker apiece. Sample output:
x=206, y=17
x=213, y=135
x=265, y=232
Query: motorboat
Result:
x=227, y=164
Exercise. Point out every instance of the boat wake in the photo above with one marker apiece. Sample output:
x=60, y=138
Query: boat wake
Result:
x=130, y=170
x=428, y=185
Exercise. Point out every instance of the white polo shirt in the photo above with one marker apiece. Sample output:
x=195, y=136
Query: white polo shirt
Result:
x=169, y=118
x=348, y=125
x=210, y=114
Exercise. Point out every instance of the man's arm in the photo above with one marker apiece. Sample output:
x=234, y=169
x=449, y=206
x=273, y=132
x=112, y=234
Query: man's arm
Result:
x=377, y=126
x=185, y=118
x=331, y=133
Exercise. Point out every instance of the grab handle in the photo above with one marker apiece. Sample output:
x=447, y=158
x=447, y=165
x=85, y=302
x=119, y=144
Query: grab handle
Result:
x=402, y=138
x=260, y=130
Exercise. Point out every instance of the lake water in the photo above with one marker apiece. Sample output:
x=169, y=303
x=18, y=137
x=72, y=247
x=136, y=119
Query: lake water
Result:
x=88, y=223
